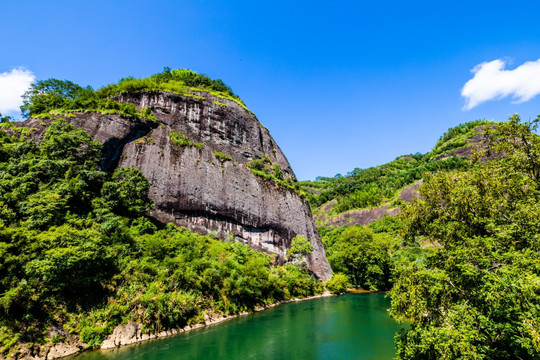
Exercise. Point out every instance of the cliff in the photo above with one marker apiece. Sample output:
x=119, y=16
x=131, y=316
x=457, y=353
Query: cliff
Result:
x=204, y=182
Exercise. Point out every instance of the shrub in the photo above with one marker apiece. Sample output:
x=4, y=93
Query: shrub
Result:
x=182, y=140
x=300, y=245
x=337, y=284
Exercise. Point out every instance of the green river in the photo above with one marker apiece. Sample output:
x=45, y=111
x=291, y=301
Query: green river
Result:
x=352, y=326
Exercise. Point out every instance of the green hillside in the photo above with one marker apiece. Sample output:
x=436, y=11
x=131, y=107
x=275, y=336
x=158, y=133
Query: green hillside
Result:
x=363, y=253
x=381, y=185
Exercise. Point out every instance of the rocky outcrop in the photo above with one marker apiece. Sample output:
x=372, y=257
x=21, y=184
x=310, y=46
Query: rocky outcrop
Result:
x=132, y=333
x=193, y=186
x=476, y=142
x=362, y=217
x=411, y=192
x=48, y=352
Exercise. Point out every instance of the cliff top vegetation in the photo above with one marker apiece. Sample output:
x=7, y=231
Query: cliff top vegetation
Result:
x=61, y=97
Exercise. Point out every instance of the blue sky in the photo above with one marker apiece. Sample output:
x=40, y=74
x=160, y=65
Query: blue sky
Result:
x=339, y=84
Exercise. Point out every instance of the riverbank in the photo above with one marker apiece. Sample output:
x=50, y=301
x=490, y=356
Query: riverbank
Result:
x=131, y=333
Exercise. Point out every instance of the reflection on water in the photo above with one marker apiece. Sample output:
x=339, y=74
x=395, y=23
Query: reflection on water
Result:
x=353, y=326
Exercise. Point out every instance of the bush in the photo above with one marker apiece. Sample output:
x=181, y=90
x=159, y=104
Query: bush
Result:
x=337, y=284
x=363, y=256
x=300, y=246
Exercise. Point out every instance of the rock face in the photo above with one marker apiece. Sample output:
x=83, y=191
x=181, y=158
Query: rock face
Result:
x=193, y=187
x=48, y=352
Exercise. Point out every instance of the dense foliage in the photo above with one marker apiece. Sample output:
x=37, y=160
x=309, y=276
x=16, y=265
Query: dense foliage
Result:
x=363, y=254
x=62, y=97
x=468, y=278
x=337, y=284
x=78, y=252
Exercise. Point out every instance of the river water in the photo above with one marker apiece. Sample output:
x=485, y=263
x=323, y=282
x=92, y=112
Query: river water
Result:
x=352, y=326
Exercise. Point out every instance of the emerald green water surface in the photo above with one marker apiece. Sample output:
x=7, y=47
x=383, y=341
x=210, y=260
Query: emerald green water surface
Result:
x=353, y=326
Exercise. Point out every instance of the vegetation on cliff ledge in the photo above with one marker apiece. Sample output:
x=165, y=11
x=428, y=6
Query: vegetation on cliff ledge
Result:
x=79, y=256
x=264, y=168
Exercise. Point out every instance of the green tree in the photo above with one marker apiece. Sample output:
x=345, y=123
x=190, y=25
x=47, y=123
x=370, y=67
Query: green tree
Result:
x=5, y=119
x=300, y=246
x=44, y=209
x=363, y=256
x=63, y=141
x=127, y=192
x=337, y=284
x=50, y=94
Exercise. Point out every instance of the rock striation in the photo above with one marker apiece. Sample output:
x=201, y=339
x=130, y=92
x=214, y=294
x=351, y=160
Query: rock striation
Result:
x=208, y=188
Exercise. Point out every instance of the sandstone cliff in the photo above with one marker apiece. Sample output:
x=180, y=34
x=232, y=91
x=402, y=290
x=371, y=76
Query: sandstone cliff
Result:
x=193, y=186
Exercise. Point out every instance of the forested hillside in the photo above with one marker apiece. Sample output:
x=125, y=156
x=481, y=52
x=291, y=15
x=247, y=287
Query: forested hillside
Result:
x=357, y=214
x=382, y=185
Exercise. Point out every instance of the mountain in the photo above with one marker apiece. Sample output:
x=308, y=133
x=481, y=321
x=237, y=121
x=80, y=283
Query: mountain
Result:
x=366, y=195
x=211, y=165
x=142, y=209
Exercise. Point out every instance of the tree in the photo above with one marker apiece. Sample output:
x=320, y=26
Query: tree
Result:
x=127, y=193
x=5, y=119
x=46, y=95
x=363, y=256
x=337, y=284
x=300, y=246
x=63, y=141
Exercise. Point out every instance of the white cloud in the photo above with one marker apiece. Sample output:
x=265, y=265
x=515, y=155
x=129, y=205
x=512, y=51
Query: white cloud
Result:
x=492, y=82
x=13, y=84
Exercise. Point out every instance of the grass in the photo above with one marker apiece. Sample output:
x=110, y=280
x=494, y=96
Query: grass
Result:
x=144, y=113
x=221, y=156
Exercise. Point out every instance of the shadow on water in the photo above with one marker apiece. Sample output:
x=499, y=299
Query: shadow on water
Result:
x=353, y=326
